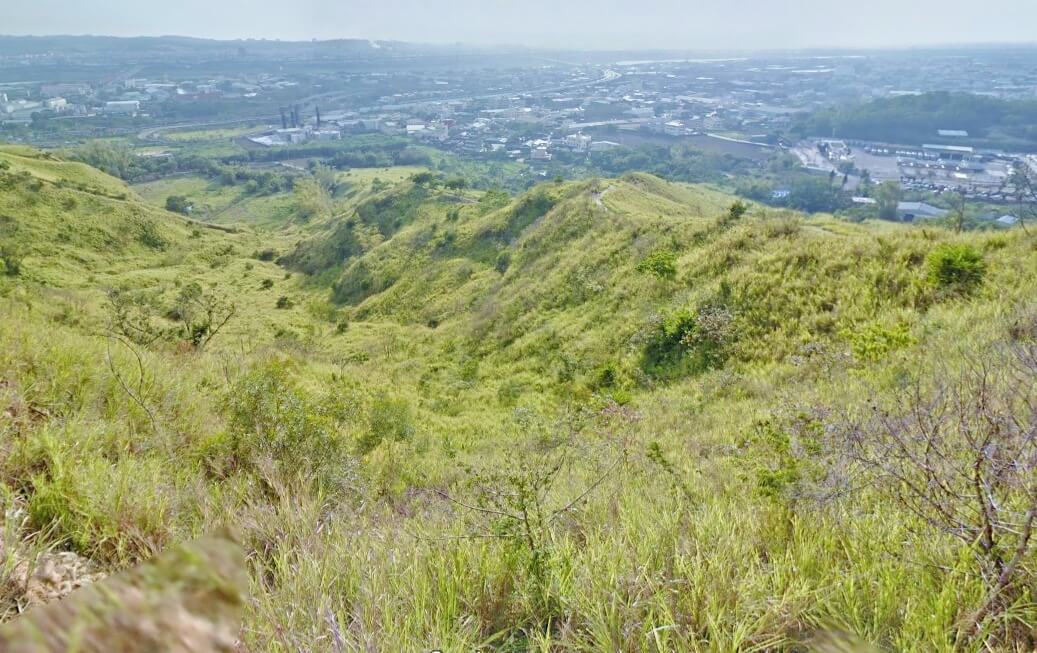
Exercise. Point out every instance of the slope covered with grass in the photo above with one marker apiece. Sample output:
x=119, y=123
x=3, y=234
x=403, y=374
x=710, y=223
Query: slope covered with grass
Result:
x=602, y=415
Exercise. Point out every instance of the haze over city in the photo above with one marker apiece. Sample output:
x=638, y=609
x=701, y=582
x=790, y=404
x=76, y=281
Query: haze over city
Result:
x=591, y=24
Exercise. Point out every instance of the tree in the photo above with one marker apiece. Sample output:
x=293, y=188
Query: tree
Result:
x=10, y=260
x=814, y=195
x=423, y=178
x=178, y=204
x=326, y=177
x=202, y=313
x=737, y=211
x=957, y=201
x=456, y=184
x=866, y=183
x=133, y=318
x=1023, y=184
x=887, y=196
x=962, y=458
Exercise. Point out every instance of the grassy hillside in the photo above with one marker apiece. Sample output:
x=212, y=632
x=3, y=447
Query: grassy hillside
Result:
x=49, y=168
x=613, y=415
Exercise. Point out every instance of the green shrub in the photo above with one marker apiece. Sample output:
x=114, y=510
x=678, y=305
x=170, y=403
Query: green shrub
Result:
x=663, y=264
x=178, y=204
x=10, y=261
x=956, y=267
x=284, y=302
x=149, y=234
x=735, y=213
x=270, y=416
x=787, y=460
x=688, y=342
x=503, y=262
x=606, y=376
x=510, y=391
x=874, y=341
x=388, y=418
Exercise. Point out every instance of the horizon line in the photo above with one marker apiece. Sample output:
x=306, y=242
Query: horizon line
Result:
x=543, y=48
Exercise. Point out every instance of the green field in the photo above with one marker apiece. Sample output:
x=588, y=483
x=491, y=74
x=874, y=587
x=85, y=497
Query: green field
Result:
x=220, y=204
x=207, y=135
x=605, y=415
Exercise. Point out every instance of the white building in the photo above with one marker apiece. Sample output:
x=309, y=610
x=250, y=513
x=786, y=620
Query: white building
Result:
x=578, y=142
x=122, y=106
x=540, y=154
x=292, y=135
x=327, y=134
x=674, y=128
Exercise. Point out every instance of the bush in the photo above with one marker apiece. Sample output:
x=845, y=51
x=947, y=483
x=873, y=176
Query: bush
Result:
x=503, y=262
x=10, y=261
x=388, y=418
x=663, y=264
x=956, y=267
x=178, y=204
x=284, y=302
x=735, y=213
x=271, y=417
x=688, y=342
x=874, y=341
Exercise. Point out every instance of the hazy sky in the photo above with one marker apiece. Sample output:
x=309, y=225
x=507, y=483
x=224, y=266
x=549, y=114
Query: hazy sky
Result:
x=600, y=24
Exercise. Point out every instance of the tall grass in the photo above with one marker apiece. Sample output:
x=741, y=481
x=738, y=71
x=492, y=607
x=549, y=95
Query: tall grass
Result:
x=363, y=464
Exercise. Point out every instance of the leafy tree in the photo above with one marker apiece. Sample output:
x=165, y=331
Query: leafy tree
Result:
x=178, y=204
x=957, y=201
x=914, y=119
x=456, y=184
x=326, y=178
x=423, y=178
x=814, y=195
x=203, y=314
x=389, y=418
x=1023, y=184
x=887, y=197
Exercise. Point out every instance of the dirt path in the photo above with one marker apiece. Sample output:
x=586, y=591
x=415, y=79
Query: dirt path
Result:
x=598, y=197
